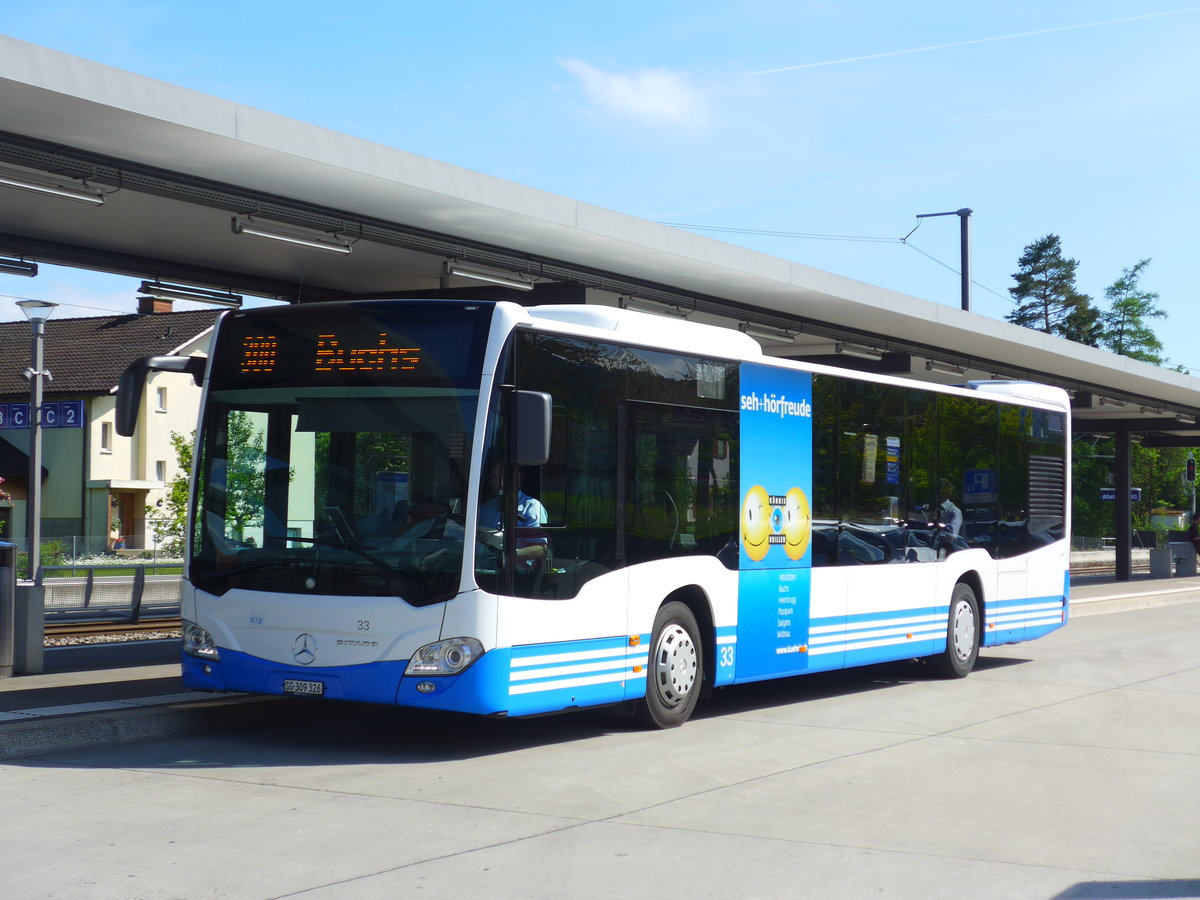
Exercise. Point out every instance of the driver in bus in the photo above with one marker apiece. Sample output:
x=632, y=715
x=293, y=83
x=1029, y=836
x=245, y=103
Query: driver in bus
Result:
x=530, y=514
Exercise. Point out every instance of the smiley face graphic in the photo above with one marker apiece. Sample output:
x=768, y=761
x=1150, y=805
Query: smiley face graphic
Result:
x=797, y=523
x=756, y=522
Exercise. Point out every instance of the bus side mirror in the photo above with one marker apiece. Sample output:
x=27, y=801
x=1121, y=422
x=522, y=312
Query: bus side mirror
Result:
x=133, y=382
x=531, y=427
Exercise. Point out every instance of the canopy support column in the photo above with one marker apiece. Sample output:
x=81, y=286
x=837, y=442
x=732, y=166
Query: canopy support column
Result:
x=1122, y=508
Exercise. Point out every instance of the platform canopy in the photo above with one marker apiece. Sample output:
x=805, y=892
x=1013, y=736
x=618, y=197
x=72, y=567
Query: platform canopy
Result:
x=186, y=180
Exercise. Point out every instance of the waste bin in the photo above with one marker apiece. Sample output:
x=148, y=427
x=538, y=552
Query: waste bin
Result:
x=1184, y=556
x=1161, y=563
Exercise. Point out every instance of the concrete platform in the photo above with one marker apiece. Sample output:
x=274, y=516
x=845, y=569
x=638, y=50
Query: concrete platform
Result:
x=101, y=694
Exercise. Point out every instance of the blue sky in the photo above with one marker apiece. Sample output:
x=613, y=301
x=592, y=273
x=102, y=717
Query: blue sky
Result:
x=830, y=118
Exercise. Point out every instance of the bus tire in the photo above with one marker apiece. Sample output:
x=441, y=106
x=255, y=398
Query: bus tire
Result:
x=962, y=635
x=674, y=671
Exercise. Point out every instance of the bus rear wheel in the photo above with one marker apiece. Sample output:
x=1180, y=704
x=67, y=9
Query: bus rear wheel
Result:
x=675, y=669
x=962, y=635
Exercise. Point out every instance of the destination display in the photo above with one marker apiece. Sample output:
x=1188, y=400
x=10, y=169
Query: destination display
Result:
x=419, y=343
x=334, y=352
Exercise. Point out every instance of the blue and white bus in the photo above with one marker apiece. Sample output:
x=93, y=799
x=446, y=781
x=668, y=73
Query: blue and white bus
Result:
x=508, y=511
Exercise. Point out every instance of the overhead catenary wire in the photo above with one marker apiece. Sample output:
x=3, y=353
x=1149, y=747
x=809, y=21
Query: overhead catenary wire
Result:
x=834, y=237
x=65, y=304
x=794, y=234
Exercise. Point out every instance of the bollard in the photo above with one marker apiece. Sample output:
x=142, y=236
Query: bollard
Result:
x=139, y=588
x=8, y=606
x=29, y=652
x=29, y=632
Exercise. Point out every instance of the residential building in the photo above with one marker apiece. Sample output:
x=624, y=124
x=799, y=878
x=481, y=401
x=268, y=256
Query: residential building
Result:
x=97, y=484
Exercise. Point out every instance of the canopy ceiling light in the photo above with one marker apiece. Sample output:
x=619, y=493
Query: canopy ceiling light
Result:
x=317, y=240
x=857, y=350
x=934, y=365
x=1109, y=401
x=508, y=280
x=52, y=186
x=771, y=335
x=653, y=307
x=157, y=289
x=18, y=267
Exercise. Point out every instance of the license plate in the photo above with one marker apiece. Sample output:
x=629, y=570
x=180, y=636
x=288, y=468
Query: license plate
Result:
x=307, y=688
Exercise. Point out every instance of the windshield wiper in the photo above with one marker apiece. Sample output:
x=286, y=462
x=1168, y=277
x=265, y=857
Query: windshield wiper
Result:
x=237, y=570
x=414, y=585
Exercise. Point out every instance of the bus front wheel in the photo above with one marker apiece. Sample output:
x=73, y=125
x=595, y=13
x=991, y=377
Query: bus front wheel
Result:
x=962, y=635
x=675, y=669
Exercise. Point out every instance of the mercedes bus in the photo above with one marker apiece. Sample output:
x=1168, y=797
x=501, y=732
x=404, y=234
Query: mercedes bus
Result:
x=508, y=511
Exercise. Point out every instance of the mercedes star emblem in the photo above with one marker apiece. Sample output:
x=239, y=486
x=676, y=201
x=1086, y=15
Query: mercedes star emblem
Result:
x=304, y=650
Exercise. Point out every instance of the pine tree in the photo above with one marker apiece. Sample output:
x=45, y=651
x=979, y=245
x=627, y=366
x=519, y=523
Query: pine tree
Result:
x=1084, y=323
x=1045, y=294
x=1125, y=330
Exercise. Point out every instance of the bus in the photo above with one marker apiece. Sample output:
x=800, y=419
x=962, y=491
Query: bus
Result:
x=510, y=511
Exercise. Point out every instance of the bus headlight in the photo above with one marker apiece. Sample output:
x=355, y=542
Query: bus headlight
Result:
x=198, y=642
x=448, y=657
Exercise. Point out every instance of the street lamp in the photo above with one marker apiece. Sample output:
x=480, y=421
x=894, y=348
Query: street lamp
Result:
x=37, y=312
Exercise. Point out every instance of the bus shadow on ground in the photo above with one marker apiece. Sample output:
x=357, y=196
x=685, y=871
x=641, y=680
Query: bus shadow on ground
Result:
x=762, y=695
x=1132, y=890
x=332, y=733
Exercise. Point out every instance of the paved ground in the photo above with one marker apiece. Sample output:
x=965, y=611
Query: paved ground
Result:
x=1067, y=768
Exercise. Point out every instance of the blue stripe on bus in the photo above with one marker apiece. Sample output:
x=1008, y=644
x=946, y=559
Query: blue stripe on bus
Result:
x=1022, y=619
x=887, y=614
x=867, y=638
x=547, y=677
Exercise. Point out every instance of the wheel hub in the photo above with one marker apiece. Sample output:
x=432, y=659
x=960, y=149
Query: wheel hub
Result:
x=675, y=665
x=964, y=630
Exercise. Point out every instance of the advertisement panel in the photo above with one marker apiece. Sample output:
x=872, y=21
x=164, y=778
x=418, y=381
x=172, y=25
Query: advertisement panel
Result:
x=776, y=522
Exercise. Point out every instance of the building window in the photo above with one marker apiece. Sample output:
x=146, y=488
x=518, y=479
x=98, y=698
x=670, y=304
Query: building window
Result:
x=106, y=432
x=160, y=470
x=161, y=395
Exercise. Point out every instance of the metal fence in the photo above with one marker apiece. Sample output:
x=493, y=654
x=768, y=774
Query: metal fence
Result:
x=118, y=593
x=65, y=548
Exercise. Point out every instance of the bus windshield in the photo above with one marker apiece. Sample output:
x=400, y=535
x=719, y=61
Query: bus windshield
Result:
x=350, y=482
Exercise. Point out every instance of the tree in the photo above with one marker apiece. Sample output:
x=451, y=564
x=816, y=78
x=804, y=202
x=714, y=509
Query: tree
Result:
x=244, y=489
x=1125, y=330
x=1084, y=324
x=245, y=485
x=170, y=521
x=1045, y=294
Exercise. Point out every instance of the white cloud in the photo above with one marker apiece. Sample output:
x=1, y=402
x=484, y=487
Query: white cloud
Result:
x=652, y=96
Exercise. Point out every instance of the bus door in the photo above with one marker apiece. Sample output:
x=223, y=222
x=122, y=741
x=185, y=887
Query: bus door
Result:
x=775, y=558
x=680, y=489
x=680, y=500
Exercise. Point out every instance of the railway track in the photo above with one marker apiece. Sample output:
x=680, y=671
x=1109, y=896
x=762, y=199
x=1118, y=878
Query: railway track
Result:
x=65, y=633
x=1108, y=570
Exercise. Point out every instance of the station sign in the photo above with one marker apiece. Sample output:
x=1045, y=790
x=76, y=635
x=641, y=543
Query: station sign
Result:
x=55, y=414
x=1110, y=494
